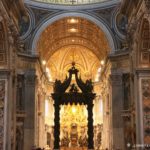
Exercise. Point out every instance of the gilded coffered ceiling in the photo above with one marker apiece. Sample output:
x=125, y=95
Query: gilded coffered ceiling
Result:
x=61, y=61
x=73, y=31
x=72, y=39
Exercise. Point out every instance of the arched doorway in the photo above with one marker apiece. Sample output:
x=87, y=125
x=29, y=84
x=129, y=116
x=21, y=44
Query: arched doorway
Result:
x=74, y=39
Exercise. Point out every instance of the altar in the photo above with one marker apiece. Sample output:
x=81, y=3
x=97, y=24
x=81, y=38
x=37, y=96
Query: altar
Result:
x=73, y=122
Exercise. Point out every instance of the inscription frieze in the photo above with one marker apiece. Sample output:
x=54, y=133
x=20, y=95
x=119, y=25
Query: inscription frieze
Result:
x=22, y=64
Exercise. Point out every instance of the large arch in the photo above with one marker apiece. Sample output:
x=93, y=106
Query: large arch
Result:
x=99, y=22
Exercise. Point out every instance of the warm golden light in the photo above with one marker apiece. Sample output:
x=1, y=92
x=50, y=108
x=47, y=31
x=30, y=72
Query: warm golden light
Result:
x=102, y=62
x=73, y=77
x=99, y=69
x=47, y=70
x=73, y=120
x=72, y=20
x=73, y=30
x=73, y=114
x=97, y=78
x=50, y=79
x=46, y=108
x=43, y=62
x=73, y=110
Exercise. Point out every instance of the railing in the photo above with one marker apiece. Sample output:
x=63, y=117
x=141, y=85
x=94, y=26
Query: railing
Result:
x=71, y=2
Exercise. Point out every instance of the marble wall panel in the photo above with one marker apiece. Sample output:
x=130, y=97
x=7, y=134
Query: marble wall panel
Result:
x=2, y=111
x=146, y=108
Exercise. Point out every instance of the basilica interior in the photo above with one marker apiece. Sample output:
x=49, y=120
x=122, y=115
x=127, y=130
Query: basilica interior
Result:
x=75, y=75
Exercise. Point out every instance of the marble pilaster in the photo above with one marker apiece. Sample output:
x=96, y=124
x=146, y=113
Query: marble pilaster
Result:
x=117, y=106
x=29, y=122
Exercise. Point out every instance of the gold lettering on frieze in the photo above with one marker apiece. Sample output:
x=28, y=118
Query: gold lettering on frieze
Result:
x=123, y=64
x=25, y=64
x=120, y=64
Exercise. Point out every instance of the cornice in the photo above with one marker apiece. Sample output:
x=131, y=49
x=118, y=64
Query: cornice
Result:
x=75, y=7
x=28, y=56
x=143, y=71
x=5, y=72
x=119, y=54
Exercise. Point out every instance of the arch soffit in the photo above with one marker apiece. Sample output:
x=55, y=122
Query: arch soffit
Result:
x=99, y=22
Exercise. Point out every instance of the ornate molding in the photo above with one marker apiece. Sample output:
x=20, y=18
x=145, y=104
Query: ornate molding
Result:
x=41, y=14
x=145, y=89
x=105, y=14
x=9, y=22
x=75, y=7
x=12, y=30
x=86, y=87
x=147, y=4
x=2, y=112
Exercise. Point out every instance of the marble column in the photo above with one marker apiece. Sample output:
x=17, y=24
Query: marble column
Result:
x=116, y=109
x=29, y=122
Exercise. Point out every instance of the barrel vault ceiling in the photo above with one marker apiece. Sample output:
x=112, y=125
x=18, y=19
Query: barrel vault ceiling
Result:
x=73, y=39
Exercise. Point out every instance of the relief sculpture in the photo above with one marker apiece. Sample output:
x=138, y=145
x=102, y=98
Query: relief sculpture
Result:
x=146, y=109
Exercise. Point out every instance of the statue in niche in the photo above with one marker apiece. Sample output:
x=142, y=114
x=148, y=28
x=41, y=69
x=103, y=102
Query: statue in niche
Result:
x=122, y=22
x=146, y=89
x=23, y=24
